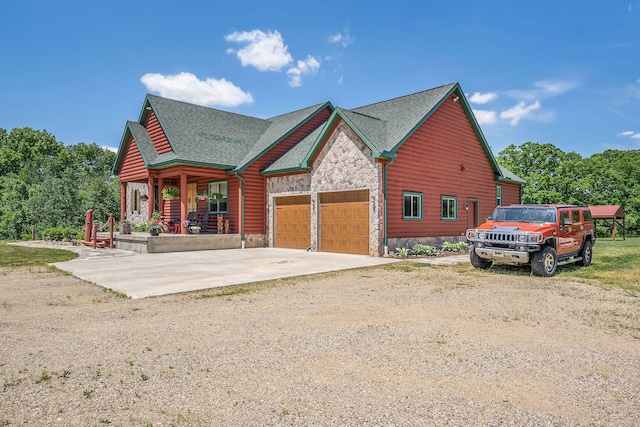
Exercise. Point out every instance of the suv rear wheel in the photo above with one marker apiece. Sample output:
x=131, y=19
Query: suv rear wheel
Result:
x=545, y=262
x=586, y=254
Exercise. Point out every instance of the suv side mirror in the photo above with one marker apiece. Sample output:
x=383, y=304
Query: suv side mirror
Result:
x=567, y=221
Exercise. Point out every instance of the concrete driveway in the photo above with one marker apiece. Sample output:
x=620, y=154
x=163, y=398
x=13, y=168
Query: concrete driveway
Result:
x=144, y=275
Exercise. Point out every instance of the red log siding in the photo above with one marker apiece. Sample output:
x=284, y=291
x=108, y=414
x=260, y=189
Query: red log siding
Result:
x=431, y=162
x=132, y=167
x=256, y=185
x=510, y=194
x=157, y=134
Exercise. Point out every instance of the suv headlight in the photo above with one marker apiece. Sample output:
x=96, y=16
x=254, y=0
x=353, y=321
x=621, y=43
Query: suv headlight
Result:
x=481, y=235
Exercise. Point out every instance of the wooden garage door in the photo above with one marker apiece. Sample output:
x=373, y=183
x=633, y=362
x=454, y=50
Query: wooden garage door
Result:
x=293, y=222
x=344, y=222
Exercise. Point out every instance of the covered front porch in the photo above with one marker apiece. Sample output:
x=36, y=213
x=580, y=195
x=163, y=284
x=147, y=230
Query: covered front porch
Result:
x=185, y=197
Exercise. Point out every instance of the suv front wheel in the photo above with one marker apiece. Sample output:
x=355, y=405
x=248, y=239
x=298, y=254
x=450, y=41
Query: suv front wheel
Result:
x=478, y=262
x=545, y=262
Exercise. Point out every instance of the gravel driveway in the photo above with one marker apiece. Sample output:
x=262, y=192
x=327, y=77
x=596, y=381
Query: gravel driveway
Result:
x=395, y=345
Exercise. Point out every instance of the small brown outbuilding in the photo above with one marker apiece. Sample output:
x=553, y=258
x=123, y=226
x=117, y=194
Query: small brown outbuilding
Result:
x=610, y=214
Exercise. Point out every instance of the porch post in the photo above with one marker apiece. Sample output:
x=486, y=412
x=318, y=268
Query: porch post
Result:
x=183, y=200
x=160, y=198
x=123, y=201
x=150, y=201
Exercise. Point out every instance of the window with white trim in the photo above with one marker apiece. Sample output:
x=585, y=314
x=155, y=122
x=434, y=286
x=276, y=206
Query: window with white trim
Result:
x=411, y=205
x=449, y=208
x=498, y=195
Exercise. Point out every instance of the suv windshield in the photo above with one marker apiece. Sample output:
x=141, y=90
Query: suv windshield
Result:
x=524, y=214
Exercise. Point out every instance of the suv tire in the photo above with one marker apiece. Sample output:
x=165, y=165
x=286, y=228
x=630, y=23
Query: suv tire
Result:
x=586, y=254
x=545, y=262
x=478, y=262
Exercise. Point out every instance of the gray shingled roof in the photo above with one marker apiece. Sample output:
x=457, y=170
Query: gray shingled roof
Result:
x=293, y=158
x=404, y=114
x=280, y=127
x=204, y=135
x=143, y=140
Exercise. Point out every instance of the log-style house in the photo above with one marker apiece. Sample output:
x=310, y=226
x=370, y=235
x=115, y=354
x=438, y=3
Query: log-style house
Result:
x=414, y=169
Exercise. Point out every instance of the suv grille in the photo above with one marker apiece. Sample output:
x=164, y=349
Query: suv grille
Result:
x=500, y=237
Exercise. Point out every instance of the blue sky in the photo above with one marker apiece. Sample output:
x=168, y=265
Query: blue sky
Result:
x=563, y=72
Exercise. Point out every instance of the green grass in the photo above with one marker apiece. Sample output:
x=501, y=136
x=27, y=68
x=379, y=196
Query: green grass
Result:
x=20, y=256
x=615, y=263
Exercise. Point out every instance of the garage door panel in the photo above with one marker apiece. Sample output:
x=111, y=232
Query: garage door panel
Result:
x=344, y=222
x=293, y=222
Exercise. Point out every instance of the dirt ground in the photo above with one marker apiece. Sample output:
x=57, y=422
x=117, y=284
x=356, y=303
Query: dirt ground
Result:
x=399, y=345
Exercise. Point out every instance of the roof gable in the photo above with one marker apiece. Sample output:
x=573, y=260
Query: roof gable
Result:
x=280, y=127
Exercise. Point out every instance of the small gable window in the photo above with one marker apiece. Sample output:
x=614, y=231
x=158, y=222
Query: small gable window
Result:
x=218, y=197
x=412, y=205
x=449, y=208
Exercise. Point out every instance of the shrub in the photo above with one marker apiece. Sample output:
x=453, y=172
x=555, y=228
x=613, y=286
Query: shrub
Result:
x=402, y=252
x=454, y=247
x=59, y=234
x=419, y=249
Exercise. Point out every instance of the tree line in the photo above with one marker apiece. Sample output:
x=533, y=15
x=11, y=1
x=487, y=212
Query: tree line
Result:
x=47, y=184
x=554, y=176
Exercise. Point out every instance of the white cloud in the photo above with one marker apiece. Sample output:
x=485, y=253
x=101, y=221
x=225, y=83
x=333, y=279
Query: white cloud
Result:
x=482, y=98
x=187, y=87
x=544, y=89
x=519, y=112
x=485, y=116
x=113, y=149
x=631, y=134
x=265, y=51
x=303, y=68
x=343, y=38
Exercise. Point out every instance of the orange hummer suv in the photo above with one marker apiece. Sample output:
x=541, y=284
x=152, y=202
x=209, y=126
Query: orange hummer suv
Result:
x=544, y=236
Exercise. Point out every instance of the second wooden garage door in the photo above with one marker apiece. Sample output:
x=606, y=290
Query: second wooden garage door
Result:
x=344, y=222
x=293, y=222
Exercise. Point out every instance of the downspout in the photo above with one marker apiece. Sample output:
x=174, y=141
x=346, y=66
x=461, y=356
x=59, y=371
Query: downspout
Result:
x=385, y=219
x=241, y=210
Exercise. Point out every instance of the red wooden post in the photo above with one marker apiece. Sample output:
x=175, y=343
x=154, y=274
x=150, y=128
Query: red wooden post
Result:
x=183, y=200
x=111, y=225
x=94, y=239
x=88, y=221
x=123, y=201
x=150, y=193
x=160, y=198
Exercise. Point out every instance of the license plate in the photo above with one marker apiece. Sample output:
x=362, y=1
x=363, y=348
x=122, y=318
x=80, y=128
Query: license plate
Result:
x=498, y=254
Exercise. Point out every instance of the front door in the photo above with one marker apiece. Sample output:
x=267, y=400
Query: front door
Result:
x=472, y=205
x=192, y=191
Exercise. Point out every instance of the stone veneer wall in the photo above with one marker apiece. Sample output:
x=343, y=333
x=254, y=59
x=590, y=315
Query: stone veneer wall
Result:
x=345, y=163
x=141, y=216
x=409, y=242
x=290, y=185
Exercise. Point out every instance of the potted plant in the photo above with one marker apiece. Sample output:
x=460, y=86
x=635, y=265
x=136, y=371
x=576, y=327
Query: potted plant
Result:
x=202, y=195
x=216, y=196
x=170, y=193
x=156, y=224
x=125, y=227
